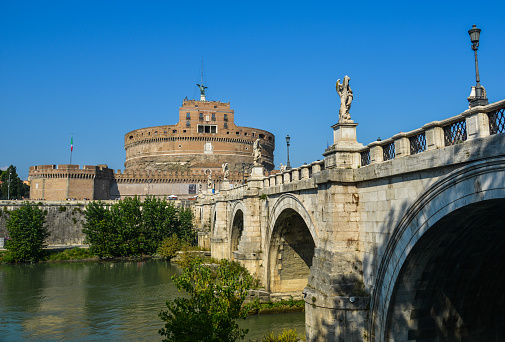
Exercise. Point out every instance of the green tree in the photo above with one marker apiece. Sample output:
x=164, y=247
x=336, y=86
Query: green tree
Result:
x=216, y=297
x=131, y=227
x=159, y=219
x=27, y=233
x=17, y=189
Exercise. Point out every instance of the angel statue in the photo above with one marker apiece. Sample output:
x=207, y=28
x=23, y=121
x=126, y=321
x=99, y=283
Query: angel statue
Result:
x=226, y=171
x=282, y=167
x=256, y=152
x=345, y=93
x=202, y=88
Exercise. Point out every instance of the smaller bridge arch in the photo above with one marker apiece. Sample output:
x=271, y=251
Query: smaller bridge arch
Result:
x=290, y=241
x=236, y=226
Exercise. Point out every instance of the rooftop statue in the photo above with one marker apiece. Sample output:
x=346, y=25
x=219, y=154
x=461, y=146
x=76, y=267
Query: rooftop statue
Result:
x=202, y=88
x=256, y=152
x=345, y=93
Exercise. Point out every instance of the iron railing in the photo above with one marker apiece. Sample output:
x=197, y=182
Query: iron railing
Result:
x=455, y=133
x=497, y=121
x=417, y=143
x=365, y=158
x=388, y=151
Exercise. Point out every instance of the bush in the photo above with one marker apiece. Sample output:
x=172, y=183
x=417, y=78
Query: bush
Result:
x=27, y=233
x=169, y=247
x=286, y=336
x=216, y=295
x=71, y=254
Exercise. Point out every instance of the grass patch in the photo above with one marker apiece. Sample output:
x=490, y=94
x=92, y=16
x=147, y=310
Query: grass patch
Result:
x=69, y=254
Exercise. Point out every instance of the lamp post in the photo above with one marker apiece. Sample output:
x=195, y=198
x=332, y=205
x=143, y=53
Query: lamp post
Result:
x=479, y=97
x=288, y=166
x=9, y=187
x=243, y=174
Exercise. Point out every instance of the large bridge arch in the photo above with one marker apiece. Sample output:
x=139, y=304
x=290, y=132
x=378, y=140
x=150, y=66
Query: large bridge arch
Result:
x=289, y=243
x=437, y=278
x=236, y=226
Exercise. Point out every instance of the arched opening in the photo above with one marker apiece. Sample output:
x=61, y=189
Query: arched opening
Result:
x=236, y=231
x=291, y=252
x=451, y=286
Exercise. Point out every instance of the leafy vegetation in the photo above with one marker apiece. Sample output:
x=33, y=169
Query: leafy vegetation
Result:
x=286, y=336
x=69, y=254
x=169, y=247
x=27, y=234
x=17, y=189
x=131, y=227
x=216, y=297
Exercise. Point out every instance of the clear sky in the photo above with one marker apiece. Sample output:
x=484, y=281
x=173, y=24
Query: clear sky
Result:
x=99, y=69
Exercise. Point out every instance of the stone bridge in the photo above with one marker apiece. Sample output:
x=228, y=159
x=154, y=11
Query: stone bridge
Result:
x=399, y=240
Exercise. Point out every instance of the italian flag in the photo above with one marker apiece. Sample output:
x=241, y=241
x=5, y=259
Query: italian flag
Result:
x=71, y=143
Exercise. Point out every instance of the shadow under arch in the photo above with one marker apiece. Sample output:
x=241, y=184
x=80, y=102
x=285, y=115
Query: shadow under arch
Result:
x=290, y=234
x=468, y=190
x=236, y=226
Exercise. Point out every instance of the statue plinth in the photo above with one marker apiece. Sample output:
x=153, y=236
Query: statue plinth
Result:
x=344, y=153
x=344, y=134
x=225, y=185
x=257, y=172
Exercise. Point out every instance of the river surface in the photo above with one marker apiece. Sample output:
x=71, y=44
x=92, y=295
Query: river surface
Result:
x=106, y=301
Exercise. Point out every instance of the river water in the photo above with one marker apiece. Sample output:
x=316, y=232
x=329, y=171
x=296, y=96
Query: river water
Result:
x=107, y=301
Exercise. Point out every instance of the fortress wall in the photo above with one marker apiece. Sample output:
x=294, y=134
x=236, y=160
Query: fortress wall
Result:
x=64, y=220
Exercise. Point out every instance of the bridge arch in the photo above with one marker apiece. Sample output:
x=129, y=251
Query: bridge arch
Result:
x=437, y=278
x=290, y=240
x=236, y=226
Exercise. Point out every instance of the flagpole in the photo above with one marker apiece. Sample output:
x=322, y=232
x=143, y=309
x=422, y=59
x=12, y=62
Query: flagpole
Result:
x=71, y=147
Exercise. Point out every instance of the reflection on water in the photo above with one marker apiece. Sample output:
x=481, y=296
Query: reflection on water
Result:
x=98, y=301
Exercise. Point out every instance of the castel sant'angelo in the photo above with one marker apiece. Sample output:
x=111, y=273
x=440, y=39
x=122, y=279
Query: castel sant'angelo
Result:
x=185, y=159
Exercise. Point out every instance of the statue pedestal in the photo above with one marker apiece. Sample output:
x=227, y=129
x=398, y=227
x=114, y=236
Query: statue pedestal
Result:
x=257, y=172
x=344, y=134
x=225, y=185
x=256, y=179
x=344, y=153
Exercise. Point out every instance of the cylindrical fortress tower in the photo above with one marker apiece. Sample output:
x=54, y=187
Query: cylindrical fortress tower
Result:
x=204, y=138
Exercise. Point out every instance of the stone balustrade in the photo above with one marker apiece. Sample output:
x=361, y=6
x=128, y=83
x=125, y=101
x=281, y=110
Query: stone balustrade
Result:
x=474, y=123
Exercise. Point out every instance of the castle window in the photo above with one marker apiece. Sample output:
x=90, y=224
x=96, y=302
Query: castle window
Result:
x=201, y=116
x=174, y=131
x=213, y=116
x=188, y=123
x=131, y=137
x=226, y=117
x=215, y=106
x=207, y=129
x=237, y=133
x=188, y=116
x=226, y=125
x=262, y=136
x=245, y=133
x=254, y=134
x=196, y=106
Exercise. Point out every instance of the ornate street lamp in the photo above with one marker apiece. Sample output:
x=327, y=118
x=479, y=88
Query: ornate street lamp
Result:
x=243, y=174
x=288, y=166
x=477, y=97
x=9, y=187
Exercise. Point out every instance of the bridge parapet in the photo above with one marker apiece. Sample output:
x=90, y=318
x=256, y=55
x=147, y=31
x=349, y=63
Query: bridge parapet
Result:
x=474, y=123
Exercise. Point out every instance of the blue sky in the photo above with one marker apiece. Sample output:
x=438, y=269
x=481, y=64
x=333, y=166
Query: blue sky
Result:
x=99, y=69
